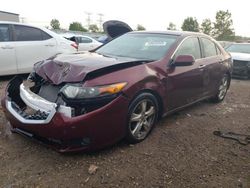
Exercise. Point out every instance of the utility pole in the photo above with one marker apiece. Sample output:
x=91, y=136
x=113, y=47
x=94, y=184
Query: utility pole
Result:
x=100, y=20
x=22, y=20
x=88, y=18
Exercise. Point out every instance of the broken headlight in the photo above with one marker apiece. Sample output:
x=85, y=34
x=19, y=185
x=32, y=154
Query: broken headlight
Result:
x=77, y=91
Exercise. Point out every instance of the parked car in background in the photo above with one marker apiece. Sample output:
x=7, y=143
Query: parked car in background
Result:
x=84, y=43
x=103, y=39
x=225, y=44
x=241, y=59
x=22, y=45
x=86, y=101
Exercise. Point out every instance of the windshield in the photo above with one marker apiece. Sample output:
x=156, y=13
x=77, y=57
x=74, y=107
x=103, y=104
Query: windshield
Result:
x=240, y=48
x=139, y=46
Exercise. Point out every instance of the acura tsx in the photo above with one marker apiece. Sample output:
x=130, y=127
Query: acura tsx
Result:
x=86, y=101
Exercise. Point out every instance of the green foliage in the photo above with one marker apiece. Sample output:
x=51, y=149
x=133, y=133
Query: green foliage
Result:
x=206, y=27
x=171, y=26
x=93, y=28
x=190, y=24
x=140, y=28
x=223, y=27
x=55, y=24
x=77, y=26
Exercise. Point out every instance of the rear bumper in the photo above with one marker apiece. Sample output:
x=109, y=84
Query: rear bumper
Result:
x=91, y=131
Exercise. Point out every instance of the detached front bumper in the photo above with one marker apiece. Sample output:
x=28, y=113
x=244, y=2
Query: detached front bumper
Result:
x=53, y=125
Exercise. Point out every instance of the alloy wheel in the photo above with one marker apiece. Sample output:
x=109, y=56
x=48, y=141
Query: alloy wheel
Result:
x=142, y=119
x=223, y=88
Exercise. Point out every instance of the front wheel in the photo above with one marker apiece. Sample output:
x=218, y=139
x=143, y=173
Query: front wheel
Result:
x=222, y=91
x=143, y=113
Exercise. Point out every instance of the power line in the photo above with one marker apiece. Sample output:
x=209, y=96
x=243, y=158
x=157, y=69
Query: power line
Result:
x=88, y=18
x=100, y=20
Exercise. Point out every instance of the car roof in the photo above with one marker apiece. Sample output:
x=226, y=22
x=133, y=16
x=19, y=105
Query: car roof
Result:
x=240, y=43
x=17, y=23
x=74, y=35
x=171, y=32
x=29, y=25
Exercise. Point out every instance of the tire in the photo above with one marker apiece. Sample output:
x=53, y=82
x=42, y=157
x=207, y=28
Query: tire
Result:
x=142, y=116
x=222, y=90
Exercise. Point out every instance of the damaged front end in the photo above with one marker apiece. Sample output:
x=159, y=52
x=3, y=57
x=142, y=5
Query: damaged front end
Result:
x=68, y=117
x=26, y=103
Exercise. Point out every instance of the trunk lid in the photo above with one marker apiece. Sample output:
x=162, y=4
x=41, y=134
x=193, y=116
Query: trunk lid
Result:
x=115, y=28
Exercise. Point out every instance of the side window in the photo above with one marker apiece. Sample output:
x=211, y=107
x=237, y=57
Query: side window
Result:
x=4, y=33
x=25, y=33
x=209, y=47
x=190, y=46
x=45, y=36
x=85, y=40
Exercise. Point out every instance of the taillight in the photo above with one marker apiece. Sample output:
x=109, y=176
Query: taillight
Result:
x=74, y=45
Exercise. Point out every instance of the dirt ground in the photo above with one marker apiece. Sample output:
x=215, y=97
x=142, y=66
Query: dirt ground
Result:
x=181, y=152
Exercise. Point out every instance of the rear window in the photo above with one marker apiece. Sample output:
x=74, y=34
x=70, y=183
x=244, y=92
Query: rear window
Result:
x=25, y=33
x=139, y=46
x=84, y=40
x=4, y=33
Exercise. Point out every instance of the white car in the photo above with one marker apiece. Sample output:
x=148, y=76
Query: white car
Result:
x=85, y=43
x=22, y=45
x=240, y=53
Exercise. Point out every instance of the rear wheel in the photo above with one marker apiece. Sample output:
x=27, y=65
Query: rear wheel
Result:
x=143, y=113
x=222, y=91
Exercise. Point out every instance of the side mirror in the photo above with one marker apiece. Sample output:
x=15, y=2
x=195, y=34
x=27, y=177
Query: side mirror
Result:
x=184, y=60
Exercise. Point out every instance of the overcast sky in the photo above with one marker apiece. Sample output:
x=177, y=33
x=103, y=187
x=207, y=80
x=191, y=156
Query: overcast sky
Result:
x=152, y=14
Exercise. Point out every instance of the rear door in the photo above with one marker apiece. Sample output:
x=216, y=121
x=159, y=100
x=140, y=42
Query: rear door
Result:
x=7, y=51
x=210, y=66
x=184, y=84
x=32, y=45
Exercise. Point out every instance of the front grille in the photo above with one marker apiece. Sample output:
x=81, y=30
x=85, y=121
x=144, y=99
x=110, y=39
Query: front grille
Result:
x=30, y=114
x=238, y=63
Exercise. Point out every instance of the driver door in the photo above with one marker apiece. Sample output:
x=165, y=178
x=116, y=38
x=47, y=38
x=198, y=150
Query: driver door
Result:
x=184, y=83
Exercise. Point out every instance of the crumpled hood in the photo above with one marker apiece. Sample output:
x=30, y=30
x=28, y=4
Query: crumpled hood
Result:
x=75, y=67
x=240, y=56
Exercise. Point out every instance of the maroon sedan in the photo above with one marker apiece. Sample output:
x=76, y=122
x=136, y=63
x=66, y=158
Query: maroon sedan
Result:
x=86, y=101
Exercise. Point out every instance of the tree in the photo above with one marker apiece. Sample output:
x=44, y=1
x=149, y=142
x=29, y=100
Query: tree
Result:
x=206, y=27
x=77, y=26
x=140, y=28
x=93, y=28
x=223, y=27
x=171, y=26
x=190, y=24
x=55, y=24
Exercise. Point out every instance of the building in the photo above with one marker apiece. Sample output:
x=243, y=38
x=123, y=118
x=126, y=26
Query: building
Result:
x=8, y=16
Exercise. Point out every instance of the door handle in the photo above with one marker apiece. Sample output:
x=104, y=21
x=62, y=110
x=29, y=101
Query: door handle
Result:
x=7, y=47
x=201, y=66
x=49, y=45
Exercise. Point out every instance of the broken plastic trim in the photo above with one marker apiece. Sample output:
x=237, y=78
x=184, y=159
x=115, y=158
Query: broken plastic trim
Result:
x=241, y=138
x=25, y=97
